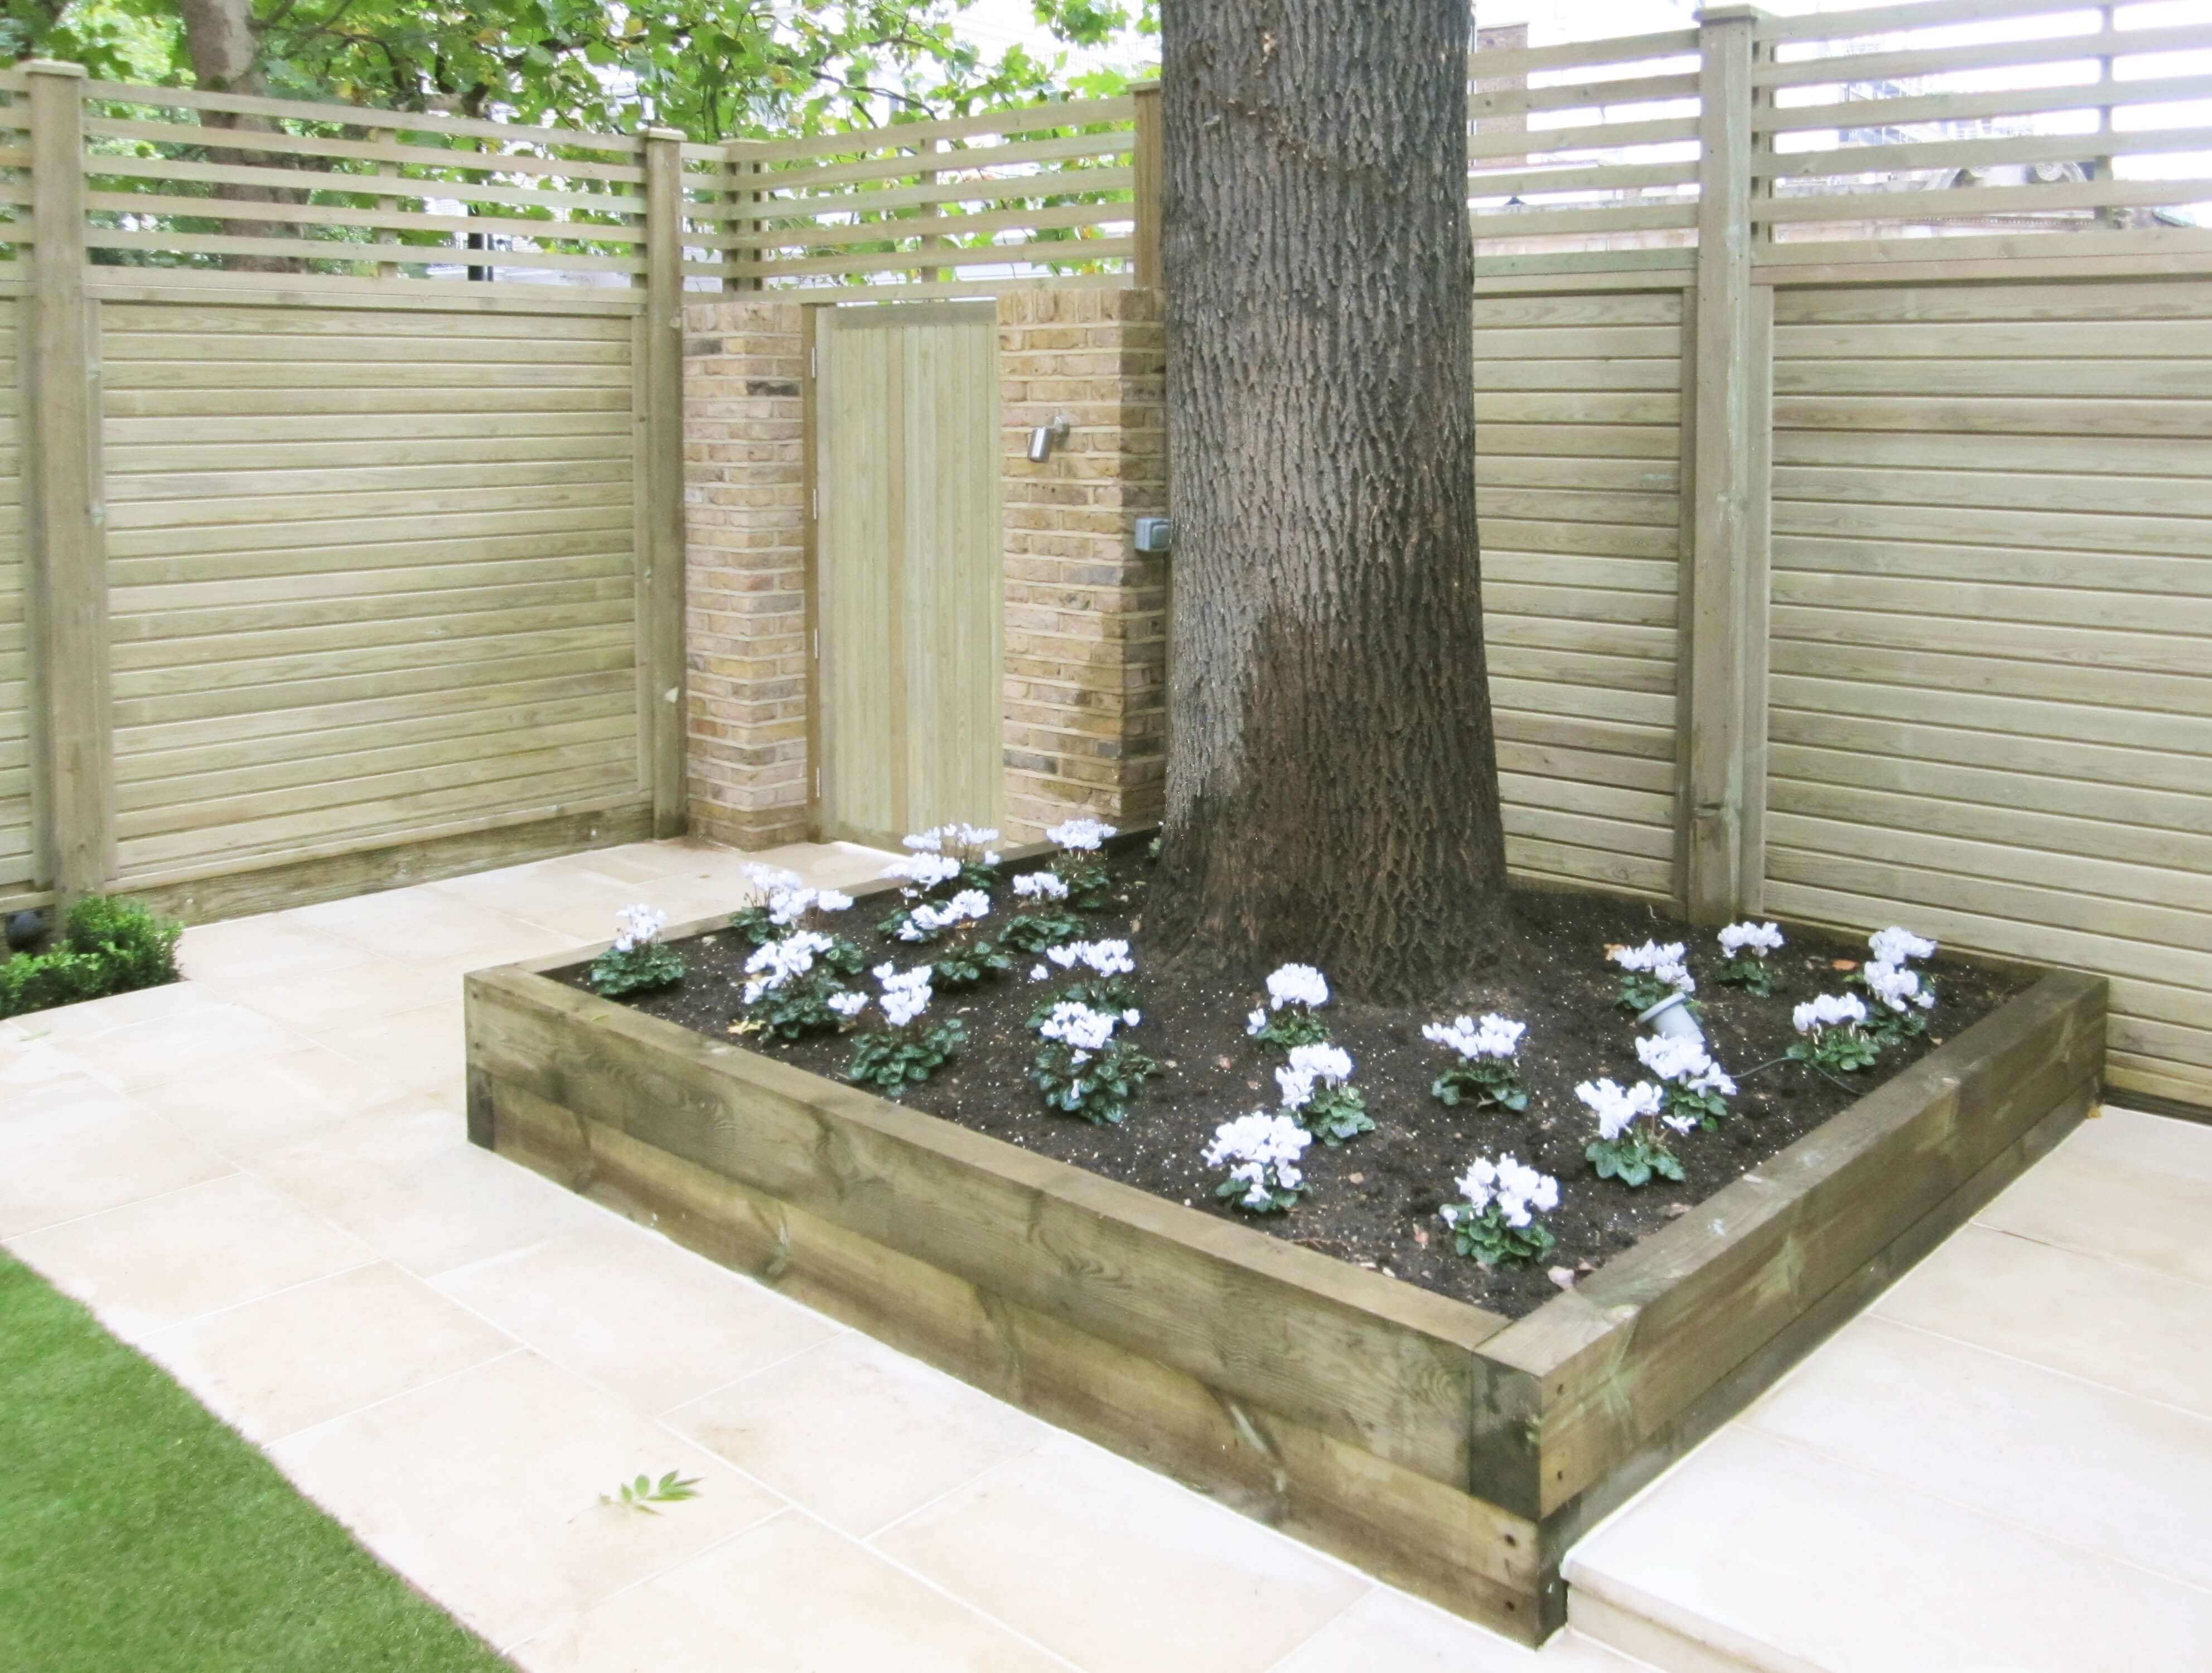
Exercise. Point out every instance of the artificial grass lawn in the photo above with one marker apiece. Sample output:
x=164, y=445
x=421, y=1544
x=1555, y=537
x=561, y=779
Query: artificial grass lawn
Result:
x=137, y=1532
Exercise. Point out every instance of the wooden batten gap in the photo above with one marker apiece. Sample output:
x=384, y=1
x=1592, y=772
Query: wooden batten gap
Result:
x=660, y=369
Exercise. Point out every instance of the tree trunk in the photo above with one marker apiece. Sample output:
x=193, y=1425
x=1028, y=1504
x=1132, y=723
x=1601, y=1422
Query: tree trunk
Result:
x=1332, y=782
x=225, y=53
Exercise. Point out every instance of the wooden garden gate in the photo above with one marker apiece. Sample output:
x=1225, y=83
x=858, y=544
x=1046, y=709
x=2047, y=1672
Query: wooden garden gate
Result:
x=907, y=567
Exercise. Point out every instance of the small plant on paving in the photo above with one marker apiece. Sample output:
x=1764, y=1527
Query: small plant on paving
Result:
x=1295, y=992
x=1653, y=972
x=786, y=904
x=1081, y=863
x=1101, y=969
x=1746, y=946
x=1902, y=996
x=791, y=987
x=638, y=959
x=1495, y=1222
x=1261, y=1151
x=1834, y=1038
x=909, y=1049
x=1488, y=1071
x=1084, y=1068
x=108, y=944
x=969, y=844
x=1698, y=1088
x=1632, y=1143
x=643, y=1493
x=1317, y=1091
x=927, y=920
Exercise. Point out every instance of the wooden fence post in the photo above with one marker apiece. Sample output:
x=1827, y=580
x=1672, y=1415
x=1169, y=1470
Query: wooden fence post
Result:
x=67, y=598
x=742, y=226
x=1726, y=579
x=1147, y=161
x=661, y=595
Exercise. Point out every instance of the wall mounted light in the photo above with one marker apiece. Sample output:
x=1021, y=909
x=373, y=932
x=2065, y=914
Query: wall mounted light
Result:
x=1045, y=438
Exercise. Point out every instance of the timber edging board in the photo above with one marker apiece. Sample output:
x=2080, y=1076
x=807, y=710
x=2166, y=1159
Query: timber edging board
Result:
x=1431, y=1442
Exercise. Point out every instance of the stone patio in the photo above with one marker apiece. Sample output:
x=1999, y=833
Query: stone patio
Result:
x=260, y=1177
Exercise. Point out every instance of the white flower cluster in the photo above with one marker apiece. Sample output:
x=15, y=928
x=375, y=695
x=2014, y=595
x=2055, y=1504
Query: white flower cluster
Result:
x=926, y=919
x=1677, y=1058
x=1100, y=958
x=1618, y=1108
x=1829, y=1010
x=924, y=870
x=638, y=926
x=1040, y=886
x=776, y=962
x=1898, y=945
x=1663, y=962
x=1262, y=1152
x=848, y=1005
x=906, y=993
x=1897, y=987
x=1309, y=1064
x=1520, y=1191
x=1297, y=985
x=790, y=900
x=1492, y=1037
x=1085, y=835
x=1083, y=1030
x=1748, y=937
x=956, y=840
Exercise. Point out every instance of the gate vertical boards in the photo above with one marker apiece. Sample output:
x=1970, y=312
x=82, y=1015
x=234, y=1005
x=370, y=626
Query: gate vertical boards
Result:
x=17, y=866
x=1992, y=634
x=908, y=568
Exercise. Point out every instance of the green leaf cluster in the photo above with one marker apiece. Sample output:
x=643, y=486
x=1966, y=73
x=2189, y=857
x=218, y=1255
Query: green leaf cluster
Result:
x=799, y=1007
x=1486, y=1238
x=1291, y=1026
x=1033, y=931
x=1335, y=1113
x=633, y=970
x=1100, y=1088
x=109, y=944
x=1486, y=1080
x=892, y=1060
x=1634, y=1157
x=643, y=1493
x=965, y=966
x=1751, y=975
x=1100, y=993
x=1838, y=1051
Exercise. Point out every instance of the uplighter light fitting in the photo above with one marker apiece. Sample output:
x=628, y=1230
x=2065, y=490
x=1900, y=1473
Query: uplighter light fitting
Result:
x=1045, y=438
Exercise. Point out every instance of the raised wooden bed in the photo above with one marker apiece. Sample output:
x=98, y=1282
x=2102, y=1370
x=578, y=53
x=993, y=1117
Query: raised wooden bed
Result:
x=1439, y=1446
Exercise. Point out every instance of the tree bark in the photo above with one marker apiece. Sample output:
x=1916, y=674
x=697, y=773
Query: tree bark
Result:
x=1332, y=782
x=225, y=53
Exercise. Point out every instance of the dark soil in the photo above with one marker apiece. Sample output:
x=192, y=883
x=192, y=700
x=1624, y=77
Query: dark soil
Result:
x=1374, y=1201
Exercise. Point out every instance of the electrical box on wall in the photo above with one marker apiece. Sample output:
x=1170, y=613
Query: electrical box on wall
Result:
x=1155, y=535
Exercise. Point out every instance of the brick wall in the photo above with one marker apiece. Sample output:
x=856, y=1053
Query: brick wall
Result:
x=745, y=530
x=1086, y=618
x=1084, y=706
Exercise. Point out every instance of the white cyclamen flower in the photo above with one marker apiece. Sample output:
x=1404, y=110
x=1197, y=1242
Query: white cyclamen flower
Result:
x=1079, y=1026
x=954, y=839
x=774, y=963
x=1748, y=937
x=769, y=878
x=1492, y=1037
x=638, y=926
x=1829, y=1010
x=1257, y=1149
x=1616, y=1106
x=1254, y=1020
x=1675, y=1057
x=906, y=994
x=1297, y=985
x=785, y=906
x=1662, y=960
x=1896, y=945
x=1038, y=973
x=1040, y=886
x=1309, y=1064
x=848, y=1005
x=1519, y=1190
x=924, y=870
x=1080, y=835
x=1897, y=987
x=1101, y=958
x=925, y=918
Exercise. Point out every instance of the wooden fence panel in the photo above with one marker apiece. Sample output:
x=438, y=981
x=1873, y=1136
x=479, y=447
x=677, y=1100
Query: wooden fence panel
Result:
x=1992, y=636
x=373, y=575
x=1578, y=438
x=17, y=864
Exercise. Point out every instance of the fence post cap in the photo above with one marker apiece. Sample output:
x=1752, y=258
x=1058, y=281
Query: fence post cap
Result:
x=1730, y=14
x=675, y=134
x=50, y=67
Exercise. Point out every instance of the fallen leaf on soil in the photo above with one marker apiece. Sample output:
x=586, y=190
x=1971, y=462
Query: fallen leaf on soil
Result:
x=1357, y=1178
x=1564, y=1277
x=1586, y=1266
x=1224, y=1062
x=1843, y=964
x=1421, y=1236
x=1676, y=1210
